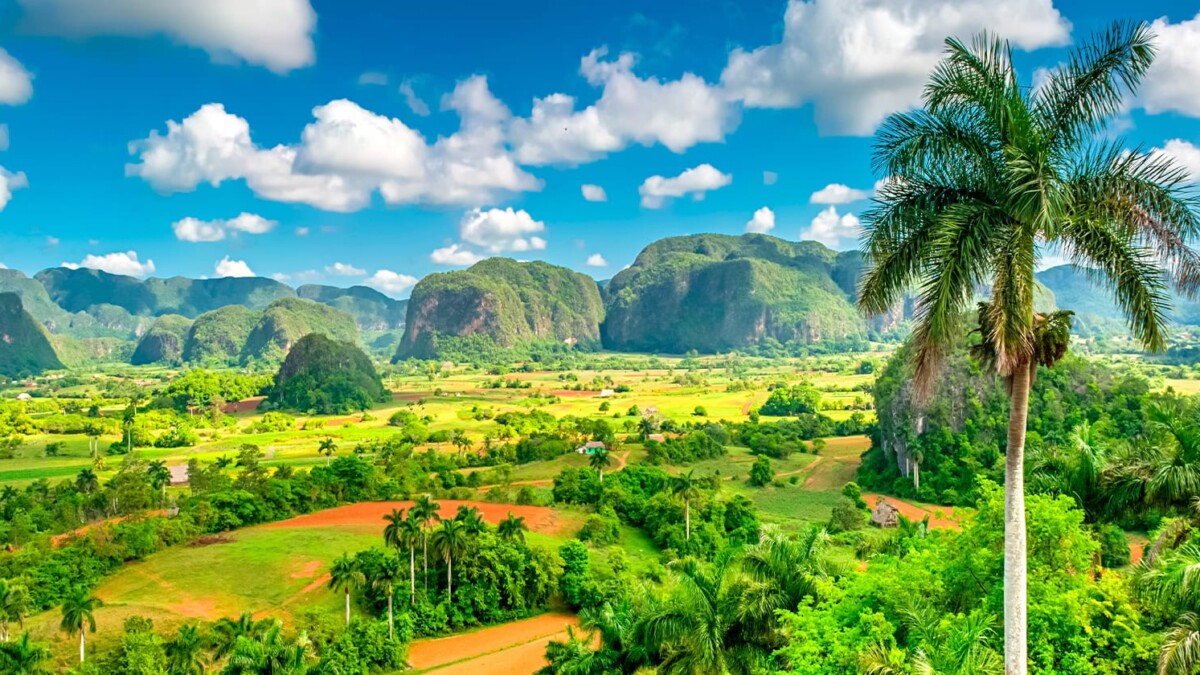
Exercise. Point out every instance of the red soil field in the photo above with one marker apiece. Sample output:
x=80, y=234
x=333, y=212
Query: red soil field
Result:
x=914, y=512
x=516, y=648
x=370, y=514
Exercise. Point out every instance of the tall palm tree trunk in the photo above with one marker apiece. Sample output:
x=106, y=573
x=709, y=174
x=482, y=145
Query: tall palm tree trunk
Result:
x=82, y=640
x=450, y=578
x=687, y=520
x=347, y=607
x=425, y=562
x=412, y=573
x=1015, y=661
x=391, y=621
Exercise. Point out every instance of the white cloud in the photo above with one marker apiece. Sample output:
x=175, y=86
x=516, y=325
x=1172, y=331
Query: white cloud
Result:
x=836, y=193
x=411, y=99
x=10, y=181
x=1170, y=84
x=857, y=61
x=339, y=269
x=762, y=222
x=276, y=34
x=770, y=178
x=196, y=230
x=302, y=231
x=16, y=84
x=250, y=223
x=677, y=114
x=455, y=255
x=835, y=231
x=1185, y=155
x=343, y=157
x=233, y=268
x=391, y=283
x=302, y=277
x=594, y=193
x=52, y=241
x=373, y=77
x=126, y=263
x=696, y=181
x=3, y=266
x=3, y=137
x=596, y=260
x=502, y=230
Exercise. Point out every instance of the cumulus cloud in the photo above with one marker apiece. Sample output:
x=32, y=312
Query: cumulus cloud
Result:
x=125, y=263
x=833, y=230
x=502, y=230
x=770, y=178
x=339, y=269
x=391, y=283
x=1170, y=84
x=196, y=230
x=233, y=268
x=677, y=114
x=596, y=260
x=301, y=277
x=594, y=193
x=276, y=34
x=1184, y=154
x=16, y=84
x=3, y=266
x=302, y=231
x=10, y=181
x=343, y=157
x=762, y=222
x=373, y=77
x=696, y=181
x=454, y=255
x=413, y=101
x=836, y=193
x=857, y=61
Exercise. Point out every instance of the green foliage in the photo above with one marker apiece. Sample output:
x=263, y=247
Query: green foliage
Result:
x=761, y=473
x=327, y=376
x=25, y=347
x=847, y=515
x=372, y=310
x=164, y=342
x=272, y=421
x=798, y=399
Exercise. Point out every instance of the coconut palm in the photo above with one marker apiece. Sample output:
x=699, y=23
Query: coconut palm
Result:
x=782, y=572
x=327, y=448
x=471, y=519
x=982, y=176
x=86, y=481
x=697, y=630
x=512, y=527
x=384, y=580
x=600, y=460
x=159, y=476
x=1169, y=585
x=23, y=656
x=14, y=605
x=685, y=487
x=450, y=542
x=392, y=531
x=78, y=615
x=940, y=648
x=185, y=653
x=226, y=632
x=1166, y=471
x=345, y=576
x=269, y=653
x=410, y=535
x=425, y=510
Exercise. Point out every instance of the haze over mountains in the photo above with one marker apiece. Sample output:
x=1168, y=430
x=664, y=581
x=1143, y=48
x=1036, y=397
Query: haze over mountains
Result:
x=705, y=292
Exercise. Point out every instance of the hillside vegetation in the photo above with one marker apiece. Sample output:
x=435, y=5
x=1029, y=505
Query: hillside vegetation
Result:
x=327, y=376
x=372, y=310
x=235, y=335
x=25, y=347
x=164, y=342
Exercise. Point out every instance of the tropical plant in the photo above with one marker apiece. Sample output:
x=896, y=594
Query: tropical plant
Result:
x=959, y=647
x=782, y=572
x=392, y=532
x=384, y=580
x=14, y=605
x=23, y=656
x=686, y=488
x=185, y=652
x=86, y=481
x=450, y=542
x=1169, y=585
x=471, y=519
x=600, y=460
x=345, y=576
x=980, y=180
x=78, y=615
x=269, y=653
x=159, y=476
x=425, y=510
x=327, y=448
x=512, y=527
x=226, y=632
x=410, y=535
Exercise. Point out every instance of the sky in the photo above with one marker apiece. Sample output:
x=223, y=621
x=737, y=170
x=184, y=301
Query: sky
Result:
x=368, y=142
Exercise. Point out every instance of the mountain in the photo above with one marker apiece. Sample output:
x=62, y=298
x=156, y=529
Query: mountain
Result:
x=217, y=337
x=286, y=321
x=327, y=376
x=236, y=335
x=1094, y=305
x=79, y=290
x=25, y=347
x=104, y=320
x=164, y=342
x=713, y=292
x=502, y=302
x=372, y=310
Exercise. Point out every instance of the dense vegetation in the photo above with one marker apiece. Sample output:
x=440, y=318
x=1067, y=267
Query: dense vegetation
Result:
x=164, y=342
x=25, y=347
x=327, y=376
x=372, y=310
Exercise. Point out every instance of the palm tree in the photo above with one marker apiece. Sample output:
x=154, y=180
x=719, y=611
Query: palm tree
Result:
x=159, y=475
x=410, y=535
x=1168, y=584
x=450, y=542
x=14, y=605
x=512, y=527
x=78, y=614
x=226, y=632
x=685, y=487
x=385, y=580
x=697, y=630
x=392, y=531
x=344, y=576
x=24, y=656
x=327, y=448
x=425, y=510
x=269, y=654
x=1166, y=473
x=1077, y=470
x=185, y=653
x=958, y=648
x=471, y=519
x=86, y=481
x=782, y=572
x=986, y=171
x=600, y=461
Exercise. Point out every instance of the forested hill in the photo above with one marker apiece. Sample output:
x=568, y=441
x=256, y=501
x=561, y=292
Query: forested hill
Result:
x=1094, y=304
x=24, y=345
x=501, y=303
x=713, y=292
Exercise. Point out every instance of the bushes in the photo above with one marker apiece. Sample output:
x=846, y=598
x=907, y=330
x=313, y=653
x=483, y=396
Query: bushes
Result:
x=601, y=529
x=272, y=422
x=846, y=516
x=761, y=473
x=1114, y=547
x=795, y=400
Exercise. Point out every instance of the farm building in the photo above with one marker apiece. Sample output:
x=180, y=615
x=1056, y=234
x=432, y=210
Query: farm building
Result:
x=885, y=515
x=24, y=397
x=179, y=474
x=606, y=393
x=591, y=448
x=657, y=438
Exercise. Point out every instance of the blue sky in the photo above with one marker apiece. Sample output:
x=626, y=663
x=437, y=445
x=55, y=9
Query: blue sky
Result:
x=300, y=138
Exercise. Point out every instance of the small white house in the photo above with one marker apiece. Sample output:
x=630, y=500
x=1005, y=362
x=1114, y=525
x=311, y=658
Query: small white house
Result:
x=24, y=397
x=591, y=448
x=607, y=393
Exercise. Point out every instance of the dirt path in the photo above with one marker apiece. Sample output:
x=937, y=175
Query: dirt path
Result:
x=915, y=512
x=516, y=648
x=746, y=407
x=1137, y=547
x=59, y=539
x=370, y=515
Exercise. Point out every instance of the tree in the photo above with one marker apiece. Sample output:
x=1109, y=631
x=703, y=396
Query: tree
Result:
x=392, y=532
x=345, y=576
x=684, y=486
x=600, y=460
x=1168, y=585
x=1165, y=472
x=23, y=656
x=384, y=581
x=86, y=481
x=980, y=178
x=269, y=653
x=14, y=605
x=512, y=527
x=471, y=519
x=227, y=632
x=761, y=472
x=185, y=653
x=327, y=448
x=411, y=534
x=159, y=476
x=450, y=542
x=959, y=647
x=425, y=510
x=78, y=614
x=782, y=572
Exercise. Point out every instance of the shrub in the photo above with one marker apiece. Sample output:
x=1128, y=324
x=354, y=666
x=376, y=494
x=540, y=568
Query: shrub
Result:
x=846, y=516
x=1114, y=547
x=761, y=473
